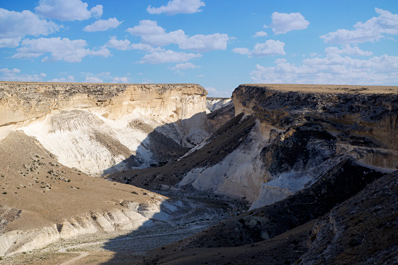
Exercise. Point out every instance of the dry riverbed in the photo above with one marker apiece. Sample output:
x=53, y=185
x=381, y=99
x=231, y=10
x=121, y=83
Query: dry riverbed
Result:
x=129, y=247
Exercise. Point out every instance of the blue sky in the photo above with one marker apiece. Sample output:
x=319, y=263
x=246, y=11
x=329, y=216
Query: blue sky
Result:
x=218, y=44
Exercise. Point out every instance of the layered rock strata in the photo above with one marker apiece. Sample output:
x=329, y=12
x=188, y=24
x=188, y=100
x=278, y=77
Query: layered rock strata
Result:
x=301, y=131
x=359, y=230
x=100, y=128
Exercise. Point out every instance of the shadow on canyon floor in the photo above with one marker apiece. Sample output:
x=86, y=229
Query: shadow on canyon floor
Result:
x=181, y=215
x=165, y=175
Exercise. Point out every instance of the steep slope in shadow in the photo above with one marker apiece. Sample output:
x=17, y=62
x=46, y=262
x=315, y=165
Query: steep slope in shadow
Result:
x=281, y=233
x=179, y=217
x=210, y=152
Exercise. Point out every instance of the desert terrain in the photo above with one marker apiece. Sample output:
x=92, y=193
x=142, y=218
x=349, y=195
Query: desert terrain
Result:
x=159, y=174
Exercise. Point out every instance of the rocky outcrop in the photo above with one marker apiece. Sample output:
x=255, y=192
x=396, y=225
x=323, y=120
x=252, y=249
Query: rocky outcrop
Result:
x=102, y=128
x=363, y=120
x=210, y=153
x=220, y=116
x=213, y=104
x=269, y=221
x=359, y=230
x=362, y=230
x=17, y=241
x=301, y=132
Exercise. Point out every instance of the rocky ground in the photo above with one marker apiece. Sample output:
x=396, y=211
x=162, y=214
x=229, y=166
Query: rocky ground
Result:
x=359, y=230
x=327, y=153
x=130, y=247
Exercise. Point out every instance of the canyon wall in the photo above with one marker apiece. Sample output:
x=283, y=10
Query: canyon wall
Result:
x=300, y=133
x=101, y=128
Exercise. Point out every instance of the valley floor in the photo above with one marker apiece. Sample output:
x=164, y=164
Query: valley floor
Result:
x=128, y=247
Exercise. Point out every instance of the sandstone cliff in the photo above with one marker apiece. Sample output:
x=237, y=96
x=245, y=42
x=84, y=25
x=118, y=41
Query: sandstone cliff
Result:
x=100, y=128
x=300, y=132
x=284, y=138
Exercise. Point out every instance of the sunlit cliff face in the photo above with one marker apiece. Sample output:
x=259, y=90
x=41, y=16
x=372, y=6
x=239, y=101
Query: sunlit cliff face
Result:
x=99, y=127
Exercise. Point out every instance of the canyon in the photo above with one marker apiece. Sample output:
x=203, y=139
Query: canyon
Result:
x=309, y=170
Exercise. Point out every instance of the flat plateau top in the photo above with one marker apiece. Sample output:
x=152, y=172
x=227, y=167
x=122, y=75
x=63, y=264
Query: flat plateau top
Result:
x=77, y=83
x=356, y=89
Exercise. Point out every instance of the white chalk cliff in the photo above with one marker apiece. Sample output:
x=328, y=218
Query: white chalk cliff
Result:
x=300, y=133
x=101, y=128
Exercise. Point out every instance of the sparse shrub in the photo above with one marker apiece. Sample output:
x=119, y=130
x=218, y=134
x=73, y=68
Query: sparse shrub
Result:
x=4, y=193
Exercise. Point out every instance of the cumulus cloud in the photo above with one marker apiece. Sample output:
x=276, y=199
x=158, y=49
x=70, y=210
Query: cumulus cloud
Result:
x=103, y=25
x=283, y=22
x=202, y=43
x=372, y=30
x=68, y=79
x=16, y=25
x=348, y=49
x=213, y=92
x=59, y=49
x=331, y=69
x=268, y=48
x=260, y=34
x=97, y=11
x=16, y=75
x=168, y=56
x=93, y=79
x=67, y=10
x=184, y=66
x=151, y=33
x=243, y=51
x=118, y=44
x=178, y=7
x=120, y=79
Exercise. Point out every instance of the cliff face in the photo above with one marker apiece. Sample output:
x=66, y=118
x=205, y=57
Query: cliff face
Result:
x=98, y=127
x=356, y=116
x=301, y=131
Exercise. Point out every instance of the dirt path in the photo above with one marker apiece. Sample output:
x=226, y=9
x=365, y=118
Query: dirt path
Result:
x=72, y=261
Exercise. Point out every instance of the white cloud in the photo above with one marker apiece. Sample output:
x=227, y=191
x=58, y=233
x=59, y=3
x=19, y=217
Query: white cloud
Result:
x=213, y=92
x=103, y=25
x=348, y=49
x=283, y=22
x=120, y=80
x=68, y=79
x=16, y=75
x=268, y=48
x=16, y=25
x=118, y=44
x=69, y=10
x=244, y=51
x=260, y=34
x=331, y=69
x=178, y=7
x=60, y=49
x=96, y=11
x=152, y=34
x=201, y=42
x=184, y=66
x=93, y=79
x=168, y=56
x=371, y=30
